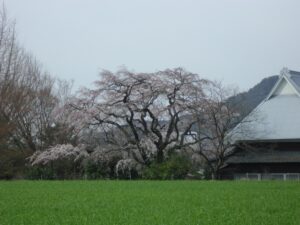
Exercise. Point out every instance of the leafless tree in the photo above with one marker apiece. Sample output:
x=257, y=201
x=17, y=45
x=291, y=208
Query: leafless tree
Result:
x=27, y=96
x=61, y=129
x=215, y=127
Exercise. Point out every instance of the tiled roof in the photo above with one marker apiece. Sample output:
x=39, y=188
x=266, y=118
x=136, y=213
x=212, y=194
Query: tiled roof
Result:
x=266, y=156
x=295, y=77
x=277, y=117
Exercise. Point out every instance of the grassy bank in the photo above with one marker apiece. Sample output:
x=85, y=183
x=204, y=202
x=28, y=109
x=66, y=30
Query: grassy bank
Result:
x=149, y=202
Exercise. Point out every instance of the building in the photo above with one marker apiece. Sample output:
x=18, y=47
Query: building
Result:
x=268, y=139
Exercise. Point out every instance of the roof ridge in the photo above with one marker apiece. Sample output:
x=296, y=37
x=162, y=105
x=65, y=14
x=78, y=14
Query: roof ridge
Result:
x=285, y=74
x=294, y=72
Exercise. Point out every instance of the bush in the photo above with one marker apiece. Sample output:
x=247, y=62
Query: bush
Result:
x=93, y=170
x=12, y=163
x=100, y=166
x=57, y=162
x=59, y=169
x=40, y=173
x=176, y=167
x=127, y=169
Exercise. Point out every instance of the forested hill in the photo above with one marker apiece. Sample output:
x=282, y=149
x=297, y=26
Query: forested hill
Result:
x=250, y=99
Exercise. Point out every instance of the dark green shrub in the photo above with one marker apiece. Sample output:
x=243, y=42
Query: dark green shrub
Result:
x=100, y=169
x=12, y=163
x=176, y=167
x=60, y=169
x=40, y=173
x=93, y=170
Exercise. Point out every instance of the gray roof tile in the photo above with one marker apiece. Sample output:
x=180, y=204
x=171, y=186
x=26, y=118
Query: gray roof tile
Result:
x=275, y=118
x=265, y=157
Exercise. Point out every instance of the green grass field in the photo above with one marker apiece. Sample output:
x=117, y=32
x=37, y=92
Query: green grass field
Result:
x=149, y=202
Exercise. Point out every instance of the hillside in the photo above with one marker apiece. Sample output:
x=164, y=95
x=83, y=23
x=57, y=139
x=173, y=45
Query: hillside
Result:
x=248, y=100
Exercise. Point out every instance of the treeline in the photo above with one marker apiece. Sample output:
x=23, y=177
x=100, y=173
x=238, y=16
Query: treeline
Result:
x=28, y=98
x=169, y=124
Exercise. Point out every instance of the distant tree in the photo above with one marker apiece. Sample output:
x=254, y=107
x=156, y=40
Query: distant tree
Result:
x=60, y=129
x=58, y=162
x=28, y=95
x=215, y=135
x=58, y=152
x=146, y=111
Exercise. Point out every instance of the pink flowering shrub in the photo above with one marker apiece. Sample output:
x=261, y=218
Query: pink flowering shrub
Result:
x=128, y=169
x=58, y=162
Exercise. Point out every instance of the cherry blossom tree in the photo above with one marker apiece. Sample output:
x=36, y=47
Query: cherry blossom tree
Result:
x=126, y=167
x=58, y=152
x=59, y=162
x=149, y=112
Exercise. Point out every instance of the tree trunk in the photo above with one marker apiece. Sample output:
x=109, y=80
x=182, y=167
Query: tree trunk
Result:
x=213, y=176
x=160, y=156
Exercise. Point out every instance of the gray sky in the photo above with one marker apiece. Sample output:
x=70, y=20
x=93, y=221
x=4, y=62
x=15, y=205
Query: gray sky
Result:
x=237, y=41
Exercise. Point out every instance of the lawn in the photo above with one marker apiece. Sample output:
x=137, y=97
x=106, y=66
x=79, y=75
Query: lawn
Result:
x=149, y=202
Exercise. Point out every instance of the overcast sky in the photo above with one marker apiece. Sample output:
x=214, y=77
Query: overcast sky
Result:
x=237, y=41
